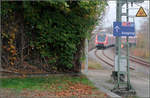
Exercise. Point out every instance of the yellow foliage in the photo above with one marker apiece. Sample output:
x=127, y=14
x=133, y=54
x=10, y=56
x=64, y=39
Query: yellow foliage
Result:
x=10, y=41
x=11, y=63
x=4, y=35
x=13, y=52
x=14, y=58
x=15, y=30
x=12, y=47
x=12, y=35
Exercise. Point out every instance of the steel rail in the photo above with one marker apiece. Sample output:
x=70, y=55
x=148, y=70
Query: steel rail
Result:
x=102, y=59
x=113, y=59
x=139, y=61
x=108, y=58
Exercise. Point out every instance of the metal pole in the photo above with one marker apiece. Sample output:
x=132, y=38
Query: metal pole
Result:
x=127, y=38
x=86, y=56
x=118, y=19
x=148, y=34
x=119, y=44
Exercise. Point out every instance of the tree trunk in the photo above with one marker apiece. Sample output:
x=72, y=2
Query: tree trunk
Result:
x=0, y=50
x=22, y=44
x=78, y=55
x=0, y=44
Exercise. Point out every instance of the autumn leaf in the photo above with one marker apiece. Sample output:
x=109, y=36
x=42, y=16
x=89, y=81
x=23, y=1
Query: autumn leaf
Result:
x=12, y=35
x=8, y=49
x=14, y=58
x=11, y=63
x=12, y=47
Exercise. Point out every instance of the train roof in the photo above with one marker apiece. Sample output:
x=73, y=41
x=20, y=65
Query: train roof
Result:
x=111, y=35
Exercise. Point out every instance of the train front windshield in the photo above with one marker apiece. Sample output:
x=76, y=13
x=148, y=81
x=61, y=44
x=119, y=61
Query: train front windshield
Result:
x=101, y=38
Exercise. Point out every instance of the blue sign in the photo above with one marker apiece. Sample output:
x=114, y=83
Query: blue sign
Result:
x=123, y=29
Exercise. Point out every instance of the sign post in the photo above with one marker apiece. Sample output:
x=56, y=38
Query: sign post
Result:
x=86, y=55
x=116, y=74
x=122, y=62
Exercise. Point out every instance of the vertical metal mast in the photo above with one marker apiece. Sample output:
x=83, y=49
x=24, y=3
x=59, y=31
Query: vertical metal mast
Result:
x=127, y=38
x=86, y=56
x=122, y=86
x=118, y=19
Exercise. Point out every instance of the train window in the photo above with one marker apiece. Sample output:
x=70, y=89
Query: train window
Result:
x=101, y=37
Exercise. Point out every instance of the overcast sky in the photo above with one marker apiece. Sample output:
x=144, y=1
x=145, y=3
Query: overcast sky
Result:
x=110, y=14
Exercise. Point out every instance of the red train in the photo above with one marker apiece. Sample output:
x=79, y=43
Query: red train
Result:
x=104, y=40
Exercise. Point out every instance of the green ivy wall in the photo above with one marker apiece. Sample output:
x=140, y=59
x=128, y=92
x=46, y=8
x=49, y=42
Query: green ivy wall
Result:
x=47, y=34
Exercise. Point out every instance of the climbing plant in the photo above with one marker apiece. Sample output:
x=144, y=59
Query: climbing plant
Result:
x=55, y=30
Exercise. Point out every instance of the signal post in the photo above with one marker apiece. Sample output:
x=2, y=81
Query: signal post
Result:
x=121, y=69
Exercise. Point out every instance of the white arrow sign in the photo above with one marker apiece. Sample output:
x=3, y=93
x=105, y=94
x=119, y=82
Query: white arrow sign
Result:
x=117, y=28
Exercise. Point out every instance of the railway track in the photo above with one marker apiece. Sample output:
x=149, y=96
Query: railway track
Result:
x=105, y=61
x=138, y=60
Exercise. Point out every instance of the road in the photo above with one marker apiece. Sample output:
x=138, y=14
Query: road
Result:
x=101, y=78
